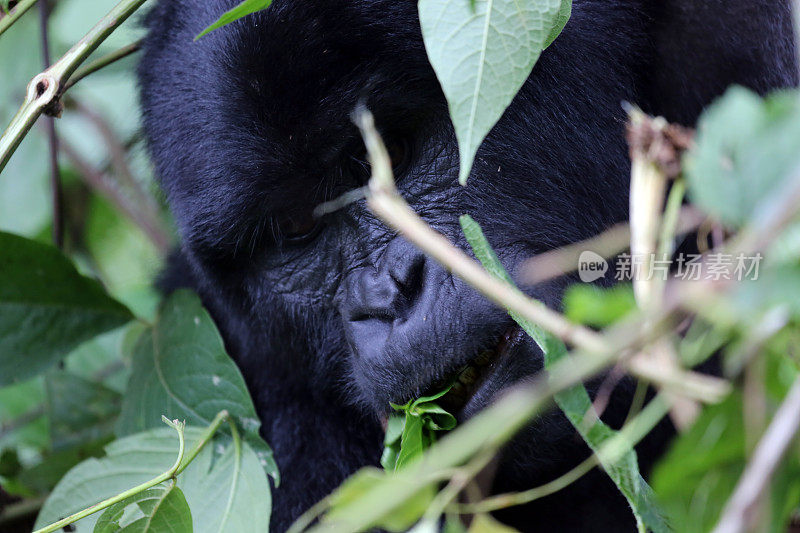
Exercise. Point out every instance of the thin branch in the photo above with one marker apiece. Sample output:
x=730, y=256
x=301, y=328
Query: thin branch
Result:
x=98, y=181
x=7, y=21
x=103, y=62
x=118, y=152
x=56, y=191
x=45, y=90
x=739, y=511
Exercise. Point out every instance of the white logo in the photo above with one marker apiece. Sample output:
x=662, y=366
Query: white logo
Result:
x=591, y=266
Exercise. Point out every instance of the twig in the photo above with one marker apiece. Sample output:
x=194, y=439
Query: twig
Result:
x=7, y=21
x=56, y=192
x=21, y=421
x=142, y=200
x=45, y=90
x=20, y=510
x=102, y=62
x=738, y=512
x=512, y=499
x=97, y=181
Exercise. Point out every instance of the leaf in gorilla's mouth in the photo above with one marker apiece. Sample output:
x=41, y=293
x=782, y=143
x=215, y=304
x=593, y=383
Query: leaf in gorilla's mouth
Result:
x=409, y=434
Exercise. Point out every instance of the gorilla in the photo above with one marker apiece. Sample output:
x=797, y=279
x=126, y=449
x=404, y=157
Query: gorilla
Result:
x=332, y=318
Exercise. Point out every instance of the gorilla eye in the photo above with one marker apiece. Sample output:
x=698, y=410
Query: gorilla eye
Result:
x=400, y=154
x=298, y=228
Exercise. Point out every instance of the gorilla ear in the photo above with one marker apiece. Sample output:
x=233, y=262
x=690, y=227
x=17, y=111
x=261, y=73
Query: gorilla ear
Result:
x=701, y=47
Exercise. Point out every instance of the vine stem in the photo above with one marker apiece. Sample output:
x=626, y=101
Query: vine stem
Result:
x=103, y=62
x=169, y=474
x=45, y=89
x=14, y=15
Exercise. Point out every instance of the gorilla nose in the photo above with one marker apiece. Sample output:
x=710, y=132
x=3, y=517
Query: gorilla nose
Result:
x=386, y=291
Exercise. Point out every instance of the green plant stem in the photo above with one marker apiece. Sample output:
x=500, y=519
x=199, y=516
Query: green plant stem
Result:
x=45, y=90
x=169, y=474
x=205, y=438
x=103, y=62
x=8, y=20
x=511, y=499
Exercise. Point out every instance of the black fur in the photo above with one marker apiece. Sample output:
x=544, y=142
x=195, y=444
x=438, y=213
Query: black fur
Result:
x=251, y=125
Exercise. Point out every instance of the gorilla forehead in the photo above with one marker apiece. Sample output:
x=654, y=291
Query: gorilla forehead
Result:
x=277, y=90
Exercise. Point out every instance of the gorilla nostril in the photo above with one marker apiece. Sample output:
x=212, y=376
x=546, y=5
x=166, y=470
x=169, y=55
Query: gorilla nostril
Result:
x=408, y=277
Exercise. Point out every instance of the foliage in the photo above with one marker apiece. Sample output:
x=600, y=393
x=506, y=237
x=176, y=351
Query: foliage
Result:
x=409, y=435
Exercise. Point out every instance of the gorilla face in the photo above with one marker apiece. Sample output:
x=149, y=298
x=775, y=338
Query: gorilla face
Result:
x=273, y=114
x=332, y=318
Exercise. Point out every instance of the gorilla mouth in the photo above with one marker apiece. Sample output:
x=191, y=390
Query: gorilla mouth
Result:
x=470, y=378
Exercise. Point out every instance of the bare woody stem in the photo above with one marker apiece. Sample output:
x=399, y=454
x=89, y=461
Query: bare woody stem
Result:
x=102, y=63
x=45, y=90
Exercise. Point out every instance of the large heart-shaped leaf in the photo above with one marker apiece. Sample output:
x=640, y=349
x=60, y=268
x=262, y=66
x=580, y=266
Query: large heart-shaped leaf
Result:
x=181, y=370
x=482, y=54
x=224, y=486
x=46, y=308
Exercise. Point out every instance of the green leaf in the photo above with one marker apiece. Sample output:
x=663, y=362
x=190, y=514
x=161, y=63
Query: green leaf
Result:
x=746, y=149
x=408, y=437
x=484, y=523
x=181, y=370
x=367, y=481
x=575, y=401
x=564, y=14
x=79, y=410
x=46, y=308
x=224, y=486
x=160, y=509
x=482, y=57
x=242, y=10
x=599, y=307
x=391, y=442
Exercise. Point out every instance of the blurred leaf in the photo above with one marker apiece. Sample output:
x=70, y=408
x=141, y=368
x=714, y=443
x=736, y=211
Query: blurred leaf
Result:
x=482, y=56
x=697, y=476
x=575, y=401
x=227, y=491
x=124, y=257
x=242, y=10
x=746, y=149
x=44, y=475
x=364, y=482
x=22, y=420
x=46, y=308
x=79, y=410
x=599, y=307
x=484, y=523
x=180, y=369
x=160, y=509
x=391, y=442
